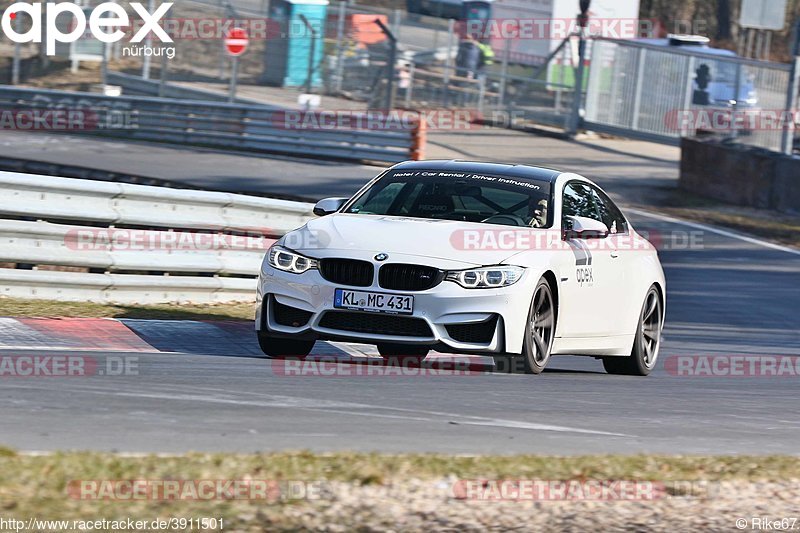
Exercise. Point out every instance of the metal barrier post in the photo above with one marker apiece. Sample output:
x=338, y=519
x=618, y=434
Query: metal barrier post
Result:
x=637, y=99
x=340, y=46
x=310, y=28
x=391, y=64
x=737, y=90
x=448, y=65
x=412, y=68
x=104, y=64
x=504, y=72
x=577, y=98
x=481, y=93
x=162, y=85
x=575, y=117
x=235, y=78
x=17, y=56
x=787, y=137
x=146, y=60
x=687, y=97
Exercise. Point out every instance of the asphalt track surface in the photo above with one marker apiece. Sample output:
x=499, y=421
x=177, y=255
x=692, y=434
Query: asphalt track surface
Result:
x=197, y=167
x=727, y=296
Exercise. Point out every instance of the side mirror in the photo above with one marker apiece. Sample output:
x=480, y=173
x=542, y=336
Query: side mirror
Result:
x=583, y=228
x=328, y=206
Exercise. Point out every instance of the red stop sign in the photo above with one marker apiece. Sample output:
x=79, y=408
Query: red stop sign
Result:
x=236, y=41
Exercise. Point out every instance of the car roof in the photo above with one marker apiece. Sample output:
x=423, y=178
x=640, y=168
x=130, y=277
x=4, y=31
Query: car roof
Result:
x=501, y=169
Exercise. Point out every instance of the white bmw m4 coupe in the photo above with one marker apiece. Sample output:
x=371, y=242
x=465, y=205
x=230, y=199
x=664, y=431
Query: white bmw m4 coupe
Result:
x=515, y=262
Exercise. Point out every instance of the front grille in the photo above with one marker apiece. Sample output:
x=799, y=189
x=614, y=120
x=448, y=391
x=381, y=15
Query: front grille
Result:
x=286, y=315
x=402, y=277
x=401, y=326
x=475, y=332
x=347, y=271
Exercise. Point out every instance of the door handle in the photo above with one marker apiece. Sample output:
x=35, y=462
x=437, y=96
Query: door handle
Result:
x=614, y=254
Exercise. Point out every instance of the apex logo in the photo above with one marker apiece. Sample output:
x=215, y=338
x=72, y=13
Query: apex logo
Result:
x=104, y=23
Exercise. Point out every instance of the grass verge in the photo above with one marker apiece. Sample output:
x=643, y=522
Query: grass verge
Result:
x=764, y=223
x=37, y=485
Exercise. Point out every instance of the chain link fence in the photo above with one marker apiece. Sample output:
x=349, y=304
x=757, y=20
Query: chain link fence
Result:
x=638, y=89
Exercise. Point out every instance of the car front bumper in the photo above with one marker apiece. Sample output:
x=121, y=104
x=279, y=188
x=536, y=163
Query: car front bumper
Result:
x=446, y=317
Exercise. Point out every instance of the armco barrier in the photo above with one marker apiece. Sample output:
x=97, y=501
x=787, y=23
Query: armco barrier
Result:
x=40, y=217
x=136, y=85
x=251, y=128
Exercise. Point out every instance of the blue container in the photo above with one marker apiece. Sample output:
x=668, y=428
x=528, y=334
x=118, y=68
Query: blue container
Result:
x=287, y=57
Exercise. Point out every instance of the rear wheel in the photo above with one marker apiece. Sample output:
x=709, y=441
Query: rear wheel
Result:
x=279, y=348
x=539, y=335
x=646, y=342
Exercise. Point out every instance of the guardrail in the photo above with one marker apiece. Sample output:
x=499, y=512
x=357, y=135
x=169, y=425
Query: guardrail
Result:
x=71, y=239
x=136, y=85
x=219, y=125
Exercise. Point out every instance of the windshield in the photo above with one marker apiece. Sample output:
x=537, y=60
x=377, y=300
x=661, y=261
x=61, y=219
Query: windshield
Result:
x=459, y=196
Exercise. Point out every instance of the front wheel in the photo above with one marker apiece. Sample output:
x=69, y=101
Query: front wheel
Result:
x=646, y=342
x=280, y=348
x=539, y=334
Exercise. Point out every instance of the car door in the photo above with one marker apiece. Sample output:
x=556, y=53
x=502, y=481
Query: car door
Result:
x=619, y=296
x=588, y=280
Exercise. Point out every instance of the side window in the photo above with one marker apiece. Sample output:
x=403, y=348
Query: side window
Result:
x=610, y=214
x=580, y=201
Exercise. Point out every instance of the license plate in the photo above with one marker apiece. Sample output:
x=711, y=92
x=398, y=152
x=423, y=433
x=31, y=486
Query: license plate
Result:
x=377, y=302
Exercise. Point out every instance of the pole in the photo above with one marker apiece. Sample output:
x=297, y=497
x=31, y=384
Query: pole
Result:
x=162, y=85
x=575, y=116
x=448, y=65
x=17, y=57
x=340, y=46
x=104, y=65
x=412, y=70
x=310, y=79
x=390, y=86
x=787, y=136
x=151, y=6
x=234, y=79
x=737, y=90
x=504, y=73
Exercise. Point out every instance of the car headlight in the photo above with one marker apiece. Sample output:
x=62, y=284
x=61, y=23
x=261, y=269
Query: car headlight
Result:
x=289, y=261
x=486, y=277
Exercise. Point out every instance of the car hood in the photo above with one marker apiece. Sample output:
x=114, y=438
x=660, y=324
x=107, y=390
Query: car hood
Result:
x=363, y=236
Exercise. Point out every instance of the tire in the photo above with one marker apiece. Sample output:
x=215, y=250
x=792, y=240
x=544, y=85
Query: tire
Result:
x=646, y=343
x=539, y=335
x=403, y=354
x=281, y=348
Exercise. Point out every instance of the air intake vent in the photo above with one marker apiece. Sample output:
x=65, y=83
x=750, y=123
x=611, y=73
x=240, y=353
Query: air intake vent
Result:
x=374, y=323
x=286, y=315
x=473, y=333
